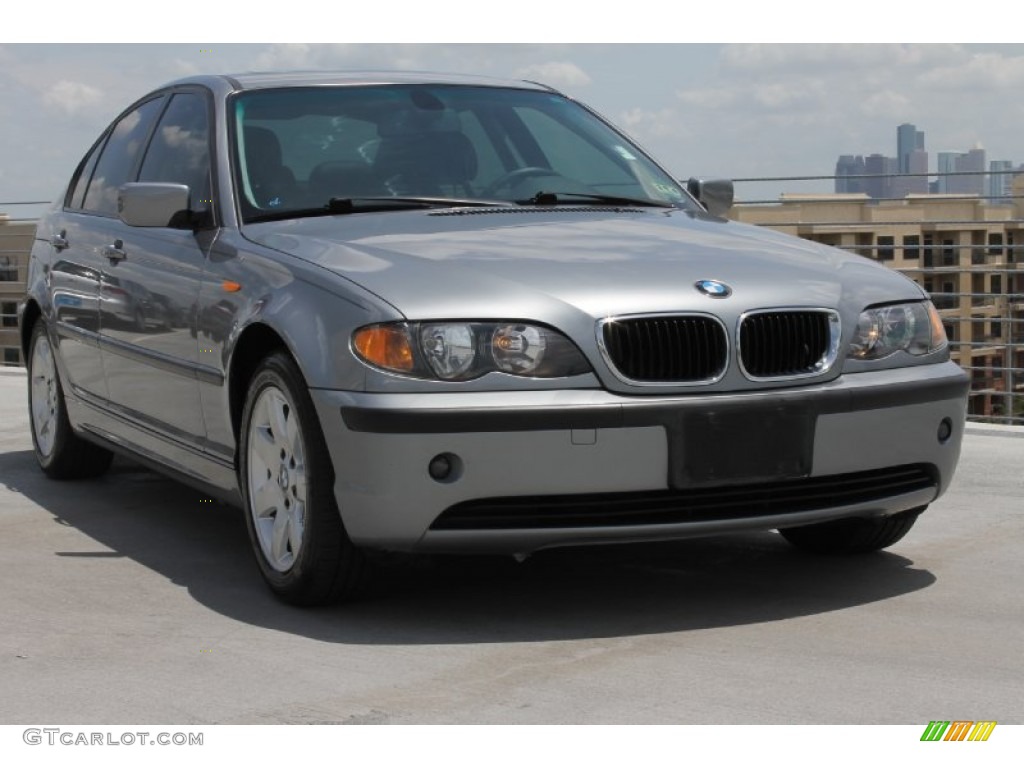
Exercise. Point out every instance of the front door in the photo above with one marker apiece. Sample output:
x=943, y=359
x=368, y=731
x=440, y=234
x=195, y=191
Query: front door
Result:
x=150, y=286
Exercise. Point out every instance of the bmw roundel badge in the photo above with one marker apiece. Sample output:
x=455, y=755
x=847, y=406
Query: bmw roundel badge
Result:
x=713, y=288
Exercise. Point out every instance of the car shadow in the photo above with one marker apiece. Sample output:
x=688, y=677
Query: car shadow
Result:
x=559, y=595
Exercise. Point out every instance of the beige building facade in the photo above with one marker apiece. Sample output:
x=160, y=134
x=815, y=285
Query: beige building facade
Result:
x=967, y=252
x=15, y=243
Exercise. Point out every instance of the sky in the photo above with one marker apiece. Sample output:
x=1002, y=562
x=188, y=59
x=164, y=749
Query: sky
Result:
x=711, y=109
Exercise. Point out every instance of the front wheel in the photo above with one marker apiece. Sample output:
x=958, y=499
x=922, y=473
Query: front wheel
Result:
x=294, y=525
x=853, y=535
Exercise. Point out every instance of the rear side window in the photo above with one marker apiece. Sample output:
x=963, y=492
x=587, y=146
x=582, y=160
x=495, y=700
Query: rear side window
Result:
x=77, y=195
x=119, y=156
x=179, y=152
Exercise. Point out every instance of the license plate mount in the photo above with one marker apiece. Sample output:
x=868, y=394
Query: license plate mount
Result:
x=729, y=446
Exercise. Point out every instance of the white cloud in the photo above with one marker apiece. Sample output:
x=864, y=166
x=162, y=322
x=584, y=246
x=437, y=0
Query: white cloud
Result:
x=646, y=123
x=709, y=98
x=287, y=56
x=559, y=74
x=468, y=58
x=888, y=104
x=822, y=57
x=985, y=71
x=785, y=96
x=71, y=97
x=184, y=68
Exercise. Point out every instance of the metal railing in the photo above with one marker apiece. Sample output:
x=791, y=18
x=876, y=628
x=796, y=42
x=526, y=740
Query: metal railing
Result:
x=993, y=356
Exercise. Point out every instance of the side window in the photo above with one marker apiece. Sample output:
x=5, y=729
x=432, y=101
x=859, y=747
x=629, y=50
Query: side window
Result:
x=77, y=196
x=118, y=158
x=179, y=152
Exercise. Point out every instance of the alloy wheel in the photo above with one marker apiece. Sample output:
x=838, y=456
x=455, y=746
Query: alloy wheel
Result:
x=277, y=478
x=44, y=396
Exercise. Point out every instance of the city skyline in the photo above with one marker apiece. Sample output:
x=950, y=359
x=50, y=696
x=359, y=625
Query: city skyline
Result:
x=957, y=172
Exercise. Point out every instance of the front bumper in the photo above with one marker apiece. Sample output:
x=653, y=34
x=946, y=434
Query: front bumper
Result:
x=575, y=446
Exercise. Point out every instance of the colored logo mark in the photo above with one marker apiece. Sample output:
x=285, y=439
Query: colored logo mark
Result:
x=713, y=288
x=958, y=730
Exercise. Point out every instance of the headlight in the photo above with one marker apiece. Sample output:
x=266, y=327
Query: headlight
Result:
x=882, y=331
x=450, y=348
x=459, y=351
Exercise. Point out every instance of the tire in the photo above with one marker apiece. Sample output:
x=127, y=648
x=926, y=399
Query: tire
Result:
x=852, y=536
x=287, y=483
x=61, y=453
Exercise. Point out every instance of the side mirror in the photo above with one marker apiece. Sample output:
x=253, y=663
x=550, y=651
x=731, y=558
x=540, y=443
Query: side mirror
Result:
x=716, y=195
x=151, y=204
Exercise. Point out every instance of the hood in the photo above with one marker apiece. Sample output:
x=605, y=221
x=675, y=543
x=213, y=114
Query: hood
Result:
x=528, y=263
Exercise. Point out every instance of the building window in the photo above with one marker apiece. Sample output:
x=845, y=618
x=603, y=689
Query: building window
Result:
x=995, y=244
x=948, y=253
x=12, y=356
x=8, y=314
x=946, y=298
x=885, y=247
x=911, y=246
x=996, y=329
x=929, y=255
x=996, y=284
x=8, y=270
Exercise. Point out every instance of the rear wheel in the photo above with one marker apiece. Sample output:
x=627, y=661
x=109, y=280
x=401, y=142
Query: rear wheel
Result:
x=853, y=535
x=61, y=454
x=294, y=525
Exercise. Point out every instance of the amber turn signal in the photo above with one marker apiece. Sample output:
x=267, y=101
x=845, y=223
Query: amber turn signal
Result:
x=386, y=346
x=938, y=329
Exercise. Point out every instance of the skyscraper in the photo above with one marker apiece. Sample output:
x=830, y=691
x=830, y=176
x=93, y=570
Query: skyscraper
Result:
x=947, y=164
x=883, y=168
x=846, y=166
x=1000, y=183
x=908, y=140
x=969, y=162
x=911, y=158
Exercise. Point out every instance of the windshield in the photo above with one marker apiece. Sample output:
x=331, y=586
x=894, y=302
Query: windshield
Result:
x=297, y=149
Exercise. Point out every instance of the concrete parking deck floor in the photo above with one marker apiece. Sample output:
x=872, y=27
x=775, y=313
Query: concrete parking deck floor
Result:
x=131, y=600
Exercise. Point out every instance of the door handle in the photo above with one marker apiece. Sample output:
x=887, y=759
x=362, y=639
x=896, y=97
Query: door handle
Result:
x=115, y=251
x=60, y=241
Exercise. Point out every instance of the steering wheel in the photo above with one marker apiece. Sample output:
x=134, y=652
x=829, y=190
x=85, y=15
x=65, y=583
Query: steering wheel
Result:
x=517, y=175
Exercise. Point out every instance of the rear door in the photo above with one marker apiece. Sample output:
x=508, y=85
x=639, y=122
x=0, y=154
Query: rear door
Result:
x=77, y=238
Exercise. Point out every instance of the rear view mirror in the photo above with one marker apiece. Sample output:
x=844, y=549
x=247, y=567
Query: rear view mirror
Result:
x=151, y=204
x=716, y=195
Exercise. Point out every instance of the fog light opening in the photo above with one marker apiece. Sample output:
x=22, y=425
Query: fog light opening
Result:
x=445, y=468
x=945, y=430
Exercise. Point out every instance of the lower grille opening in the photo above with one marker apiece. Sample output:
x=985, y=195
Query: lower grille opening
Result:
x=697, y=505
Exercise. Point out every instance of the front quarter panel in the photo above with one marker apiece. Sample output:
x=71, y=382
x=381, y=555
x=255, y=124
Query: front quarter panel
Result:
x=310, y=310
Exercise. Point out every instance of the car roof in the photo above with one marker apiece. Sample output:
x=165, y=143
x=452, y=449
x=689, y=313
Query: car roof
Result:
x=257, y=80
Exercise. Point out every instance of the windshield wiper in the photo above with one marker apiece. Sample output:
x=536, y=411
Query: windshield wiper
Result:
x=343, y=205
x=357, y=204
x=559, y=198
